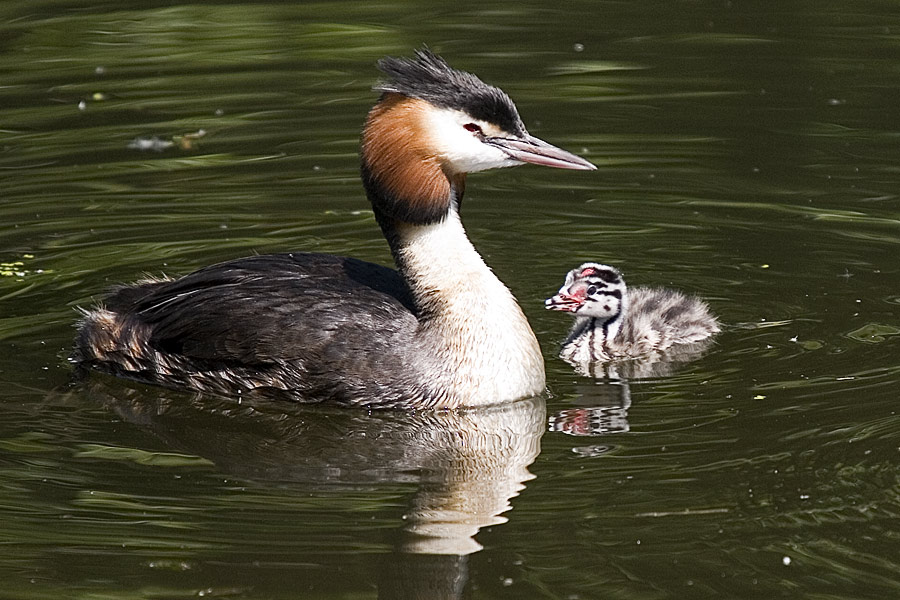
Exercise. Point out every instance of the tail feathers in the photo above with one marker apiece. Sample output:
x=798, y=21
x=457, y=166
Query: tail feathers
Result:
x=106, y=338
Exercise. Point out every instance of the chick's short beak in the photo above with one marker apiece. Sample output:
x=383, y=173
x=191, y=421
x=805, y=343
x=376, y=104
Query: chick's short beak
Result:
x=563, y=303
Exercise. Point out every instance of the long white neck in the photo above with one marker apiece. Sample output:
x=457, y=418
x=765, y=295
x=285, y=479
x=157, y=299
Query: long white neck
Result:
x=472, y=329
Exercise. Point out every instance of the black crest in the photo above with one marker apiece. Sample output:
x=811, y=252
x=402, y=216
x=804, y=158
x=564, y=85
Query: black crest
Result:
x=430, y=78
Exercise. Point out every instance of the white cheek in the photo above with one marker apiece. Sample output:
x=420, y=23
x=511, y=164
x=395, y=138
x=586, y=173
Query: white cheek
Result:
x=458, y=148
x=614, y=306
x=476, y=156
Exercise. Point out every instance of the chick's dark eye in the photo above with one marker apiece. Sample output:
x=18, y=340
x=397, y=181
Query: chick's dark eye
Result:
x=592, y=290
x=472, y=127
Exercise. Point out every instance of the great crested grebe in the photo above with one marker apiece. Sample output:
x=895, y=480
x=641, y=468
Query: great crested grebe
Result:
x=612, y=322
x=441, y=331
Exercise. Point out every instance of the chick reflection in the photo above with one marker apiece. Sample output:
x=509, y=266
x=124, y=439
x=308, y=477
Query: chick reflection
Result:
x=467, y=464
x=601, y=409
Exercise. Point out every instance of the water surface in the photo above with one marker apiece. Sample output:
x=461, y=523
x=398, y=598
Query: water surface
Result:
x=747, y=153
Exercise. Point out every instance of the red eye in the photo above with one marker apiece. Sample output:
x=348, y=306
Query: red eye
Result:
x=473, y=128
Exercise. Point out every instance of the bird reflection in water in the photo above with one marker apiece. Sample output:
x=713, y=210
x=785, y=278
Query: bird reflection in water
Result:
x=602, y=409
x=602, y=405
x=465, y=465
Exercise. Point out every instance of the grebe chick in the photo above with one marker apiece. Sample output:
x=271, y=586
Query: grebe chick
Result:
x=613, y=322
x=441, y=331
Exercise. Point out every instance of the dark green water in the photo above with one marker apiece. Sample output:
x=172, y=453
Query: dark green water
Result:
x=748, y=153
